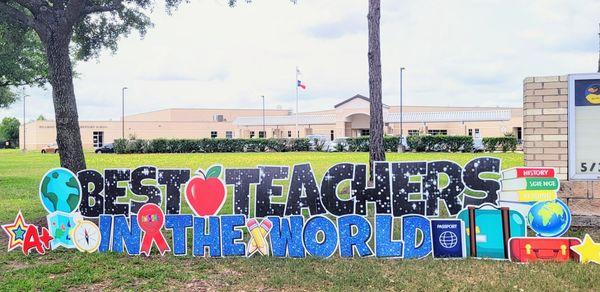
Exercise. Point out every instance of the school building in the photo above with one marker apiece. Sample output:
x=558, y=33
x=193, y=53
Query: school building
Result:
x=349, y=118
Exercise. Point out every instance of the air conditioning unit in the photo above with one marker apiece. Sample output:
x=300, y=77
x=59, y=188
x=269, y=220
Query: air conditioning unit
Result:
x=218, y=118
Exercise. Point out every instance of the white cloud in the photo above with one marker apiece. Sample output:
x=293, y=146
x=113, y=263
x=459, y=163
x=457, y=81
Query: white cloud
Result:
x=456, y=53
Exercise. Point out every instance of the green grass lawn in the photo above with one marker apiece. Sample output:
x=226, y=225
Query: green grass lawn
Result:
x=61, y=269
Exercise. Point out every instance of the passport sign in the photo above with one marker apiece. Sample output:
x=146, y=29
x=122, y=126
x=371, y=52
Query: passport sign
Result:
x=408, y=210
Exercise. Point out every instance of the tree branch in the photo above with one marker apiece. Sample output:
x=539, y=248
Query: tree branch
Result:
x=73, y=11
x=12, y=15
x=115, y=5
x=33, y=5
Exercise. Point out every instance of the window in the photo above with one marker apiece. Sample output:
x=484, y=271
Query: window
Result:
x=519, y=134
x=289, y=134
x=413, y=132
x=477, y=133
x=229, y=134
x=332, y=135
x=364, y=132
x=213, y=134
x=471, y=132
x=261, y=134
x=437, y=132
x=252, y=134
x=98, y=139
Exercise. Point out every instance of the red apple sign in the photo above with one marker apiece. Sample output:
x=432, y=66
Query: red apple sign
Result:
x=206, y=193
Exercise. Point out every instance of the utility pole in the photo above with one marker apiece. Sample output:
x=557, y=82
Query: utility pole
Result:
x=263, y=116
x=400, y=144
x=123, y=112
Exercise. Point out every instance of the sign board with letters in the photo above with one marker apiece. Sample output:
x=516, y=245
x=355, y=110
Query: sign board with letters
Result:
x=584, y=118
x=93, y=211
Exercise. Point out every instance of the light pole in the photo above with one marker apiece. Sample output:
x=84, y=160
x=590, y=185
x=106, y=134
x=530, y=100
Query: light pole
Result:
x=24, y=124
x=263, y=115
x=400, y=144
x=123, y=112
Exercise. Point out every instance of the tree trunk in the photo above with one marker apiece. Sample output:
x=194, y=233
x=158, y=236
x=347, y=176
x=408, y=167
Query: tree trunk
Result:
x=376, y=150
x=68, y=136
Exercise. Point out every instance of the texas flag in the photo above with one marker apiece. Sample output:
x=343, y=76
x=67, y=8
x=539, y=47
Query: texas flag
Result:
x=301, y=85
x=298, y=81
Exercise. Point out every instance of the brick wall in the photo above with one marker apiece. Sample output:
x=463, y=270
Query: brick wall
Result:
x=545, y=126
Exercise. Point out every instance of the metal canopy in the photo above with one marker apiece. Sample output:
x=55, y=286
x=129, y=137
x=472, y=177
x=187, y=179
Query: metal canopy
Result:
x=409, y=117
x=453, y=116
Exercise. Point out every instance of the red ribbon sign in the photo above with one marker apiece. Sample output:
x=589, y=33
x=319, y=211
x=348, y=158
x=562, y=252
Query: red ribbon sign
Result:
x=151, y=220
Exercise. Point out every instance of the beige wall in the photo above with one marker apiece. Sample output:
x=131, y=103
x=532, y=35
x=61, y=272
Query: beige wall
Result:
x=202, y=115
x=545, y=104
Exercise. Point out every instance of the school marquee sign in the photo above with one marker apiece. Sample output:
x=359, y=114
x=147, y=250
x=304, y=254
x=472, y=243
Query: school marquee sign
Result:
x=584, y=116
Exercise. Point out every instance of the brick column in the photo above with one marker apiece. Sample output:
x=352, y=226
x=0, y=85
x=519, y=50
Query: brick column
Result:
x=545, y=126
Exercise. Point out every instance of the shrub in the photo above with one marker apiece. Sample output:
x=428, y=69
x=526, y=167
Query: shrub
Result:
x=120, y=145
x=440, y=143
x=390, y=143
x=299, y=144
x=506, y=143
x=360, y=144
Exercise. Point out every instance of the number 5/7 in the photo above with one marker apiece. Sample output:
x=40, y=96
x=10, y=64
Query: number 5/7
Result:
x=584, y=167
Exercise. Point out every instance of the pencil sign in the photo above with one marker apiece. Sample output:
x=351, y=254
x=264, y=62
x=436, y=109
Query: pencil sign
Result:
x=244, y=212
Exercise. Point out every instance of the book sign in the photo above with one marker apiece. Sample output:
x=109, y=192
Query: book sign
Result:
x=584, y=135
x=410, y=210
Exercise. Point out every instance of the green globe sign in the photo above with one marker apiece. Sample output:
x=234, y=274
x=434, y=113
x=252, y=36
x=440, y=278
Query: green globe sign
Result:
x=549, y=219
x=60, y=191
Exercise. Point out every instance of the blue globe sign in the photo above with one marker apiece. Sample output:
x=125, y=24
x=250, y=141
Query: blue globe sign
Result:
x=60, y=191
x=549, y=218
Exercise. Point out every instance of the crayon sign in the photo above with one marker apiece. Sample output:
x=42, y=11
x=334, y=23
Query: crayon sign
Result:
x=410, y=210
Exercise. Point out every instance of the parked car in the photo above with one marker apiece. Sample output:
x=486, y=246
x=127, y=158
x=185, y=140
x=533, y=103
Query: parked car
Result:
x=50, y=148
x=337, y=144
x=317, y=142
x=478, y=145
x=106, y=148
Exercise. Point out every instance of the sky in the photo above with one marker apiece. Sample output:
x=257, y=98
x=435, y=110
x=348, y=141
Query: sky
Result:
x=456, y=53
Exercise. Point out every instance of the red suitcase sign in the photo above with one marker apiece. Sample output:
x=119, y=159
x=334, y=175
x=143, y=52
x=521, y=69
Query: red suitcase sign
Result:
x=531, y=249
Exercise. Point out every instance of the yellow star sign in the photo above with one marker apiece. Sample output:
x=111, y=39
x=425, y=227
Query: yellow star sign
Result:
x=588, y=251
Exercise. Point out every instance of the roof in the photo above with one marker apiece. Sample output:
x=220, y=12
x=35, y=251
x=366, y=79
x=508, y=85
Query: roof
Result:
x=355, y=97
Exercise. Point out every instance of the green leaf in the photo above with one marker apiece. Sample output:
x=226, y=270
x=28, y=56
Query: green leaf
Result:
x=214, y=171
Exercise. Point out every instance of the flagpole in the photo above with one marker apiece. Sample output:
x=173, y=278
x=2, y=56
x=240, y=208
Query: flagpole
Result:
x=297, y=131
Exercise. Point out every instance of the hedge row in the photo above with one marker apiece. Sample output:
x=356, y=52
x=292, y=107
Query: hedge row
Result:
x=508, y=143
x=440, y=143
x=417, y=143
x=123, y=146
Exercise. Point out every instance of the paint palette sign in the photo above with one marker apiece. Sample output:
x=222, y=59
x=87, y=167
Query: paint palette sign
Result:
x=409, y=210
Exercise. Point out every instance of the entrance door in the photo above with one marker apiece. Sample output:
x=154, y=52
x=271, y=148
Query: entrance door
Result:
x=518, y=131
x=98, y=139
